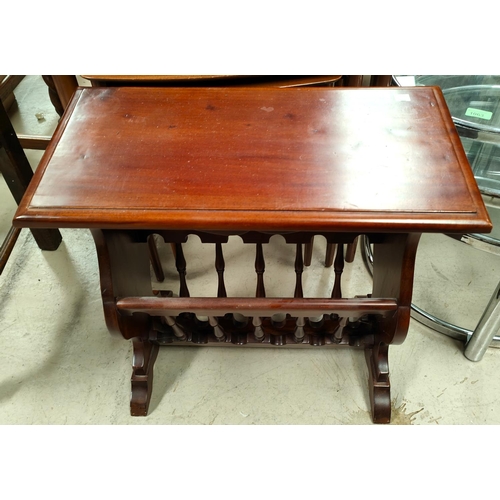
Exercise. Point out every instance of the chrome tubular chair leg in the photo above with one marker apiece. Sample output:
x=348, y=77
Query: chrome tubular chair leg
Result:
x=488, y=326
x=475, y=340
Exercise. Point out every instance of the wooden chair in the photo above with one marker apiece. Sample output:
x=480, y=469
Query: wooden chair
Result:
x=17, y=172
x=7, y=85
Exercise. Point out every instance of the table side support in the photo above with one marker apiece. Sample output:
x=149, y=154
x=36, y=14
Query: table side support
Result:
x=377, y=359
x=124, y=264
x=145, y=354
x=124, y=270
x=393, y=272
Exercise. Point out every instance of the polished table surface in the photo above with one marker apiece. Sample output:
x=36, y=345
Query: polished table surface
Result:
x=364, y=159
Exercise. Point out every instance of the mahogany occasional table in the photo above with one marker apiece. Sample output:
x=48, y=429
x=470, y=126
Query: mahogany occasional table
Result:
x=138, y=164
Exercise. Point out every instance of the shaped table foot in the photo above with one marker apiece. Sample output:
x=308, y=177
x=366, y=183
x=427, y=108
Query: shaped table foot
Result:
x=377, y=358
x=145, y=353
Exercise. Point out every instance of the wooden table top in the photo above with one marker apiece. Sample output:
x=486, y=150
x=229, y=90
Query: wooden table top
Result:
x=319, y=159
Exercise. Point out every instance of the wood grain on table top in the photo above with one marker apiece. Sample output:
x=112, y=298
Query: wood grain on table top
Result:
x=350, y=159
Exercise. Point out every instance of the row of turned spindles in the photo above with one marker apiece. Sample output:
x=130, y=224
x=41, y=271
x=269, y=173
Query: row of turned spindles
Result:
x=279, y=319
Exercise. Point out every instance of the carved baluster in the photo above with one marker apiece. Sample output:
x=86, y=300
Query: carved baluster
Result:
x=309, y=252
x=299, y=293
x=299, y=331
x=220, y=266
x=258, y=332
x=238, y=319
x=337, y=336
x=278, y=321
x=180, y=264
x=155, y=258
x=316, y=322
x=339, y=268
x=239, y=334
x=330, y=252
x=351, y=250
x=260, y=267
x=218, y=331
x=261, y=291
x=299, y=269
x=178, y=331
x=221, y=291
x=337, y=290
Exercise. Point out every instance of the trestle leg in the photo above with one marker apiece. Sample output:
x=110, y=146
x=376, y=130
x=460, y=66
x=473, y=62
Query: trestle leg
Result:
x=377, y=358
x=145, y=353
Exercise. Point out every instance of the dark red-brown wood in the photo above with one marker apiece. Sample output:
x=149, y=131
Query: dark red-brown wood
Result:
x=130, y=163
x=17, y=173
x=259, y=306
x=298, y=159
x=8, y=245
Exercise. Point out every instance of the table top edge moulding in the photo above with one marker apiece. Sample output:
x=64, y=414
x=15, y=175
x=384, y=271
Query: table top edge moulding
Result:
x=246, y=221
x=428, y=204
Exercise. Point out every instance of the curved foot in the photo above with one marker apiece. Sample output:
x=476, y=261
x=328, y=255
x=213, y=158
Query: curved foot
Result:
x=377, y=358
x=380, y=398
x=145, y=353
x=53, y=95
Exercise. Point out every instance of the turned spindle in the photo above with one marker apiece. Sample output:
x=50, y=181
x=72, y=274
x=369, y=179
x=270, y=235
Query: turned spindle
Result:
x=154, y=257
x=218, y=331
x=337, y=336
x=351, y=250
x=178, y=331
x=299, y=269
x=220, y=267
x=308, y=252
x=330, y=252
x=260, y=267
x=338, y=268
x=180, y=264
x=299, y=293
x=258, y=332
x=299, y=331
